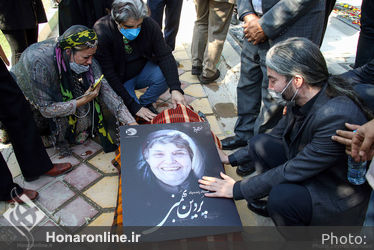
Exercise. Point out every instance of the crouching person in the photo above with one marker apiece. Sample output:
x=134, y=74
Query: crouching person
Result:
x=301, y=170
x=58, y=78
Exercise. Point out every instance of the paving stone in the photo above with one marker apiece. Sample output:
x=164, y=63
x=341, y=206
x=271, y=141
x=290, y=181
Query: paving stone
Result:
x=180, y=71
x=195, y=90
x=61, y=159
x=103, y=161
x=184, y=85
x=26, y=221
x=232, y=57
x=247, y=217
x=3, y=206
x=54, y=196
x=189, y=99
x=214, y=126
x=81, y=176
x=4, y=222
x=49, y=223
x=185, y=65
x=104, y=193
x=34, y=185
x=51, y=151
x=180, y=55
x=221, y=137
x=104, y=220
x=187, y=77
x=86, y=149
x=13, y=165
x=179, y=47
x=165, y=96
x=202, y=105
x=76, y=213
x=5, y=146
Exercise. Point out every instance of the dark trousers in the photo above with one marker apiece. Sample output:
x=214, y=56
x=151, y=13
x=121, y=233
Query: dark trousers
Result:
x=16, y=116
x=19, y=40
x=289, y=204
x=173, y=10
x=330, y=4
x=365, y=48
x=362, y=80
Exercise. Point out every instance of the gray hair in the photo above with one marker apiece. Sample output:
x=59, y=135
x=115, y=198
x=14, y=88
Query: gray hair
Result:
x=123, y=10
x=300, y=56
x=179, y=139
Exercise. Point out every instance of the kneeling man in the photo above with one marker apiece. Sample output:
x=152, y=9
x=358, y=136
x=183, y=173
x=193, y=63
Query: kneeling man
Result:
x=301, y=170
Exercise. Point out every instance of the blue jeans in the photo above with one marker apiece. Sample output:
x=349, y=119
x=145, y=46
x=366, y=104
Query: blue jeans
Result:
x=151, y=77
x=173, y=10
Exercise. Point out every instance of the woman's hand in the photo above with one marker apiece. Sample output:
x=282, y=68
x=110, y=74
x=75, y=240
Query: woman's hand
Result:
x=177, y=98
x=146, y=114
x=89, y=95
x=219, y=187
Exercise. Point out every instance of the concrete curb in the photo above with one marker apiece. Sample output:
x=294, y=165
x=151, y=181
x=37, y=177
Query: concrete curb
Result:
x=45, y=29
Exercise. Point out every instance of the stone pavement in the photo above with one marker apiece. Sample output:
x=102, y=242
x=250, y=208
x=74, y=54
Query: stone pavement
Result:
x=87, y=195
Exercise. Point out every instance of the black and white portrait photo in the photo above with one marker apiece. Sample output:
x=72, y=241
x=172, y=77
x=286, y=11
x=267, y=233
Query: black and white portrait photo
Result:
x=161, y=166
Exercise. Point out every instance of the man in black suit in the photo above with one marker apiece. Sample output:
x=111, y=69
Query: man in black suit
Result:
x=267, y=22
x=19, y=21
x=32, y=158
x=301, y=169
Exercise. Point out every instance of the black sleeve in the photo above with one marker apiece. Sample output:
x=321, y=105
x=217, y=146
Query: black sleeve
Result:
x=164, y=57
x=106, y=58
x=237, y=192
x=361, y=75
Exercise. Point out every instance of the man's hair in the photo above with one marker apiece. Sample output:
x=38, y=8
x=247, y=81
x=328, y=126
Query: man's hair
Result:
x=123, y=10
x=300, y=56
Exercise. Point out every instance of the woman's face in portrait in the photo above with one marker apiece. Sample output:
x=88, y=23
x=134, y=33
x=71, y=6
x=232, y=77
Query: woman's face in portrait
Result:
x=169, y=164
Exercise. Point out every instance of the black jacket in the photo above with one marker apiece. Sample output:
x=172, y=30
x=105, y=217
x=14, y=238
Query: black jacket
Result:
x=317, y=162
x=83, y=12
x=150, y=45
x=21, y=14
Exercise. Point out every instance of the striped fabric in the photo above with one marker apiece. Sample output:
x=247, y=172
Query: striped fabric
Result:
x=178, y=115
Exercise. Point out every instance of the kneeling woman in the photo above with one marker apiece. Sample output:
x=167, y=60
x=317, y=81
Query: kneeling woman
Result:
x=57, y=77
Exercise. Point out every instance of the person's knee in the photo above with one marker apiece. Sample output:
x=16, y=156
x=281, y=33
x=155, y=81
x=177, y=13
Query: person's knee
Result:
x=257, y=145
x=289, y=204
x=158, y=79
x=277, y=199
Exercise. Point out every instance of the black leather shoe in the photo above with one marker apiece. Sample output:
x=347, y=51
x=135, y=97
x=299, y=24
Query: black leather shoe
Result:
x=259, y=207
x=196, y=70
x=207, y=80
x=232, y=142
x=244, y=171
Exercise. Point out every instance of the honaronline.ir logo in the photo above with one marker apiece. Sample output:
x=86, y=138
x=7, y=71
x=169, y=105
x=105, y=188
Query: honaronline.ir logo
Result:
x=24, y=218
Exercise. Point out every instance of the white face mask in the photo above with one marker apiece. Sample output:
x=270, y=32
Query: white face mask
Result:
x=279, y=96
x=78, y=68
